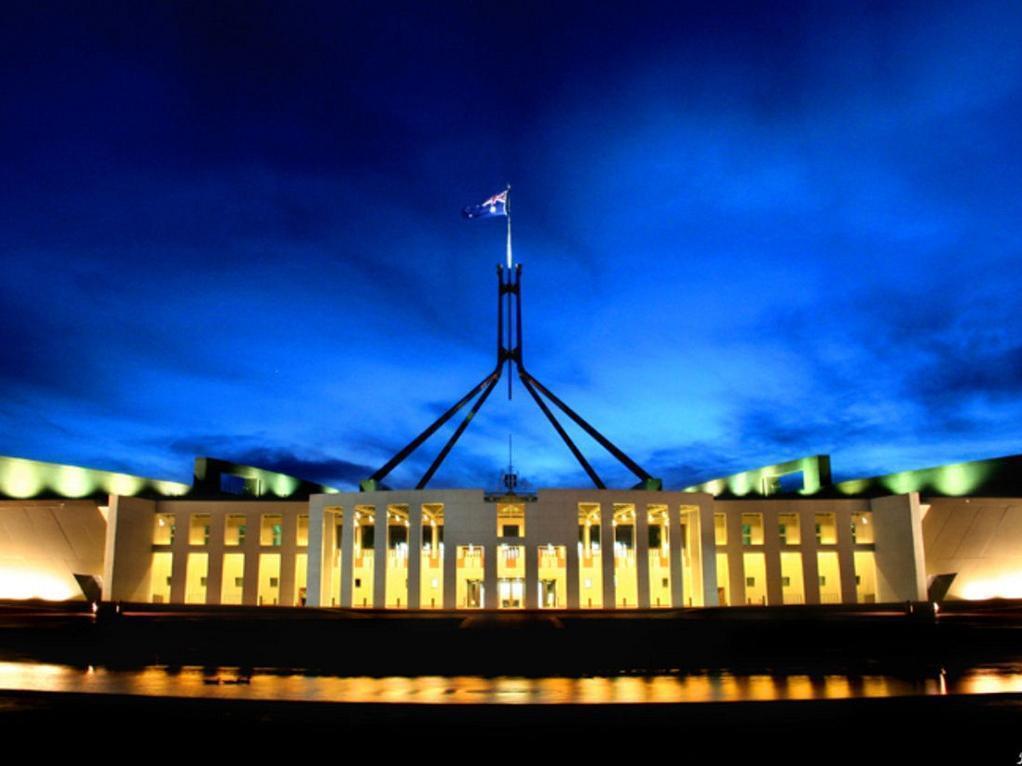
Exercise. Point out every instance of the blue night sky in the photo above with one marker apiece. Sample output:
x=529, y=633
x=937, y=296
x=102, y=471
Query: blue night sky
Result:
x=748, y=233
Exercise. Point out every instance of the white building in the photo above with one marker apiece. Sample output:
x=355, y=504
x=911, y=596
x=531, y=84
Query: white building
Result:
x=242, y=535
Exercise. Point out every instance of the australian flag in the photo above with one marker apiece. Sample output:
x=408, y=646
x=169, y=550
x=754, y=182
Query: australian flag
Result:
x=494, y=207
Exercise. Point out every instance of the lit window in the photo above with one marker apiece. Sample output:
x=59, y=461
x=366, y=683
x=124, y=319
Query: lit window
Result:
x=272, y=532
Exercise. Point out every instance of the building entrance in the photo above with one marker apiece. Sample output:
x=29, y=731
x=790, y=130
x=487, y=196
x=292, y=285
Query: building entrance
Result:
x=511, y=591
x=548, y=594
x=474, y=594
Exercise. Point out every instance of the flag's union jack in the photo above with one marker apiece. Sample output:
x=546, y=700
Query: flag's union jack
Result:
x=494, y=207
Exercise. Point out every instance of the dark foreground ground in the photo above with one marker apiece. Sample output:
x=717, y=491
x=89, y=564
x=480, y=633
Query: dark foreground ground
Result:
x=879, y=639
x=975, y=729
x=378, y=642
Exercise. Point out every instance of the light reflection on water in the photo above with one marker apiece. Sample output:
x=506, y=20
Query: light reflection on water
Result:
x=229, y=683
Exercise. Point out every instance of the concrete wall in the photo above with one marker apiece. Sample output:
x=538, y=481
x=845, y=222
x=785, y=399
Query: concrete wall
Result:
x=806, y=510
x=980, y=539
x=44, y=543
x=551, y=519
x=128, y=549
x=900, y=560
x=218, y=511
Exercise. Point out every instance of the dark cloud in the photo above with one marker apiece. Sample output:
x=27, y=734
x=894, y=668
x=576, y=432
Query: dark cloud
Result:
x=330, y=471
x=784, y=230
x=253, y=450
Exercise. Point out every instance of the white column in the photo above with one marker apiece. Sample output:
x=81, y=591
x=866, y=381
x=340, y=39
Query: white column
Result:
x=450, y=563
x=675, y=539
x=215, y=551
x=607, y=554
x=900, y=558
x=288, y=548
x=347, y=555
x=380, y=549
x=845, y=559
x=490, y=596
x=642, y=554
x=314, y=588
x=414, y=554
x=810, y=560
x=772, y=554
x=707, y=548
x=735, y=558
x=572, y=564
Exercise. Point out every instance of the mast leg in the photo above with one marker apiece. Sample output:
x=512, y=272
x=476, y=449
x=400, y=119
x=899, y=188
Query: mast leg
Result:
x=457, y=433
x=563, y=434
x=373, y=481
x=604, y=442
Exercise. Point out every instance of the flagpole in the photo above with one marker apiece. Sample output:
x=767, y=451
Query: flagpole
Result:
x=507, y=208
x=510, y=336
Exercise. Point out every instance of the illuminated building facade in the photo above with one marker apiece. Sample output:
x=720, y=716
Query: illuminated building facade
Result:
x=242, y=535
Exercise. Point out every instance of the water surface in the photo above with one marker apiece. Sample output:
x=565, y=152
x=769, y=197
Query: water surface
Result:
x=710, y=686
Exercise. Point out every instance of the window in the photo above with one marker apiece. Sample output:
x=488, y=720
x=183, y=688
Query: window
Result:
x=787, y=529
x=272, y=532
x=510, y=520
x=239, y=582
x=719, y=529
x=198, y=532
x=750, y=582
x=785, y=582
x=823, y=580
x=234, y=530
x=752, y=529
x=656, y=538
x=164, y=532
x=862, y=528
x=826, y=529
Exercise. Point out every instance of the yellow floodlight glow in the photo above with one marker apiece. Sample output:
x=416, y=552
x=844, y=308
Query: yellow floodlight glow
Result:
x=21, y=479
x=122, y=484
x=72, y=481
x=740, y=484
x=902, y=483
x=854, y=487
x=29, y=583
x=284, y=486
x=960, y=479
x=171, y=488
x=1008, y=585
